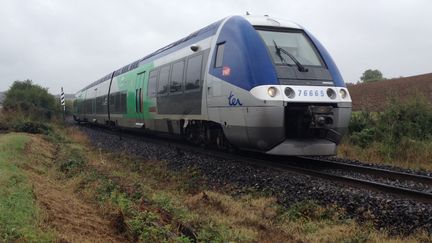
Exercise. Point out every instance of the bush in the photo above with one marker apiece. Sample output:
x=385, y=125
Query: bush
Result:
x=362, y=128
x=405, y=123
x=412, y=119
x=360, y=121
x=3, y=125
x=18, y=122
x=31, y=100
x=363, y=138
x=27, y=108
x=31, y=127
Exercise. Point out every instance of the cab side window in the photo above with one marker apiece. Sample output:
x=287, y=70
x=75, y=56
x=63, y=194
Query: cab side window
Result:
x=219, y=55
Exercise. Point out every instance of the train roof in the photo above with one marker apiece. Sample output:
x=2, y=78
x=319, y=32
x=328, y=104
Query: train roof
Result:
x=192, y=38
x=266, y=20
x=195, y=36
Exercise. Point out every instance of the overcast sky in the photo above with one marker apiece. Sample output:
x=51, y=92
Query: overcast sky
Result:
x=71, y=43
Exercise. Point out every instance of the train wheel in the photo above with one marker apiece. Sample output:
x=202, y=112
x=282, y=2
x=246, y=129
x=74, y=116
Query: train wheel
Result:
x=221, y=141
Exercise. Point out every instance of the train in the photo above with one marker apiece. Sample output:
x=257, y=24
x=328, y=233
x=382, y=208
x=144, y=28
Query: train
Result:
x=254, y=83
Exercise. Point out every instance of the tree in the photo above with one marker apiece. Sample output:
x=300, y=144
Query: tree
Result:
x=371, y=75
x=30, y=100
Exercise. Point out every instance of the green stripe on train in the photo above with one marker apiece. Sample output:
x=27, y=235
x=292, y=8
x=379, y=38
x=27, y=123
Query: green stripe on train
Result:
x=131, y=81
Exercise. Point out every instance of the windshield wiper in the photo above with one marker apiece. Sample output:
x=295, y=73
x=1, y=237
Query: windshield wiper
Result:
x=278, y=53
x=300, y=67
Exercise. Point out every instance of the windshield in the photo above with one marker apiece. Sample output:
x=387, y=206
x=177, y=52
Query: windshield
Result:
x=295, y=43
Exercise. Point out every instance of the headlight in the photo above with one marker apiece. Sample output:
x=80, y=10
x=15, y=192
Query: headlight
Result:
x=331, y=93
x=289, y=92
x=343, y=93
x=272, y=91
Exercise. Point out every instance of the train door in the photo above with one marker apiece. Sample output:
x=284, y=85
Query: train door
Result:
x=150, y=100
x=93, y=95
x=139, y=102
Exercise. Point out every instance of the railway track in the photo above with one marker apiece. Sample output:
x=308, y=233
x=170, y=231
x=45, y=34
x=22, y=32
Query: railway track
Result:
x=321, y=168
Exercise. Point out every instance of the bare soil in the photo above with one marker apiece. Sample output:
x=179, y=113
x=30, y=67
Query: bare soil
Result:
x=375, y=96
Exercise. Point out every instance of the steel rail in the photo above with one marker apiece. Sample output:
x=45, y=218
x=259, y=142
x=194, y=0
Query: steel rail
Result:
x=369, y=170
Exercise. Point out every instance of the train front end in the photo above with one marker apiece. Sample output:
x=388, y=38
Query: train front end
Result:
x=317, y=105
x=285, y=94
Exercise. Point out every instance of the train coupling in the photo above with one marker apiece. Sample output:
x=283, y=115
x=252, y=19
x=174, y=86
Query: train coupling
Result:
x=322, y=116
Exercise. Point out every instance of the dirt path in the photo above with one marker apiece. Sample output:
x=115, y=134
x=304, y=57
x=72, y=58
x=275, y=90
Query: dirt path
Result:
x=73, y=219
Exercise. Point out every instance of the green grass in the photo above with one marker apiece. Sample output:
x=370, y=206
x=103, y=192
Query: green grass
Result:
x=19, y=215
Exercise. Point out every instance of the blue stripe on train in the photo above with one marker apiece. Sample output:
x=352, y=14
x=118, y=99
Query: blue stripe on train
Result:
x=245, y=55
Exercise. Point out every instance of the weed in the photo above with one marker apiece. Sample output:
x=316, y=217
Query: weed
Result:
x=212, y=233
x=74, y=164
x=360, y=121
x=145, y=226
x=193, y=183
x=122, y=201
x=364, y=137
x=183, y=239
x=165, y=202
x=309, y=211
x=358, y=237
x=310, y=228
x=103, y=192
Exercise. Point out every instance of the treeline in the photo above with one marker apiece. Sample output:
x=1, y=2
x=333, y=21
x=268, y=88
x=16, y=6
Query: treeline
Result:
x=29, y=107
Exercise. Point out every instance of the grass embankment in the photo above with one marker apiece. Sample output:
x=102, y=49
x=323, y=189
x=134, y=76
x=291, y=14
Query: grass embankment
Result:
x=20, y=218
x=400, y=136
x=59, y=187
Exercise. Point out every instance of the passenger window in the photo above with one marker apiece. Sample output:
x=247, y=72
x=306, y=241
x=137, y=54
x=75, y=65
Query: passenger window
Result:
x=163, y=80
x=219, y=55
x=151, y=89
x=193, y=73
x=176, y=84
x=122, y=102
x=100, y=105
x=118, y=102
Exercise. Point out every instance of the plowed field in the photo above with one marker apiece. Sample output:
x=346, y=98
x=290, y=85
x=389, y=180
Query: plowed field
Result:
x=375, y=96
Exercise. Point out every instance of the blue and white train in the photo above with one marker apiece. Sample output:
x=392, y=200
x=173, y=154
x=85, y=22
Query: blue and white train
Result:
x=253, y=82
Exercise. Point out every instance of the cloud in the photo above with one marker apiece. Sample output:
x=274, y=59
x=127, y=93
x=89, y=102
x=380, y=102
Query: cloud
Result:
x=72, y=43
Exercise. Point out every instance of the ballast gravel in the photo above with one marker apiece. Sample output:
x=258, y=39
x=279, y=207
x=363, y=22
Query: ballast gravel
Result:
x=397, y=216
